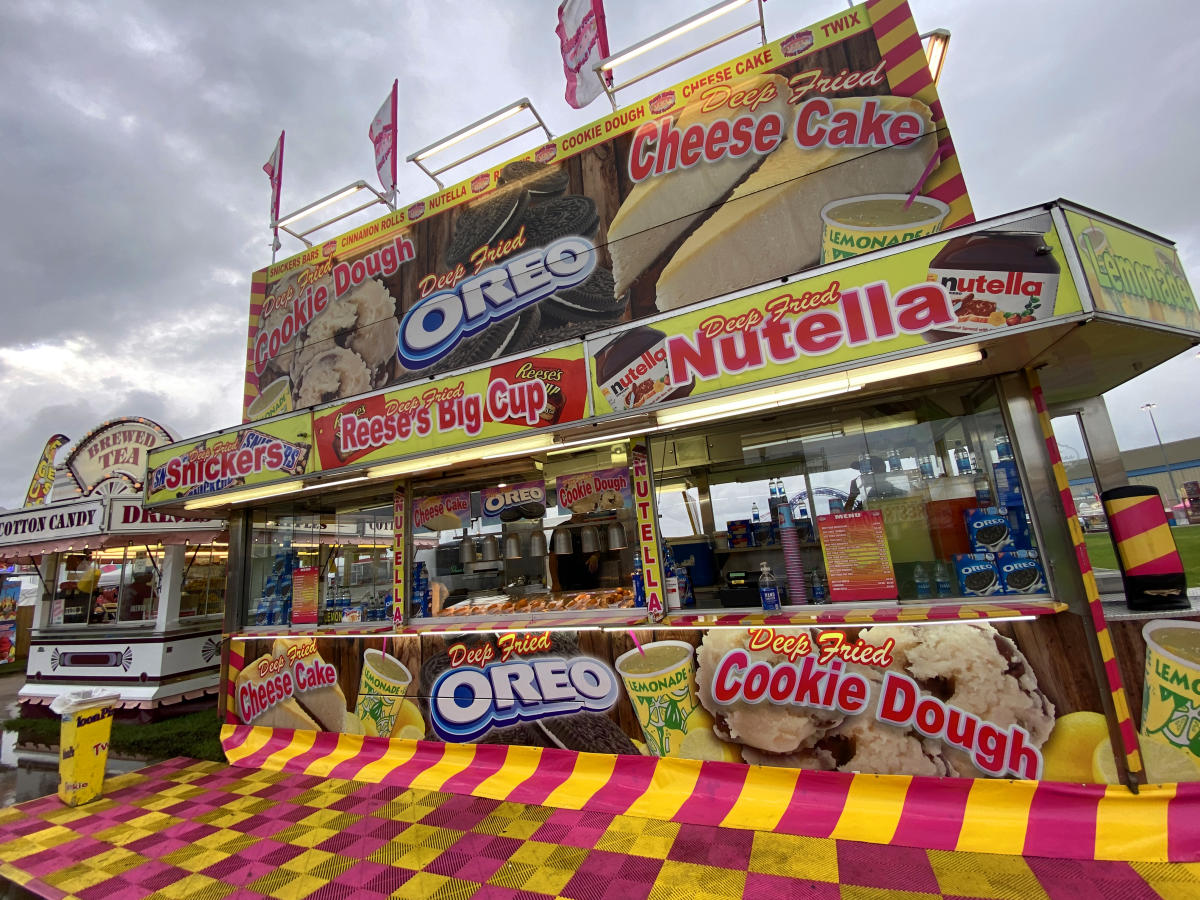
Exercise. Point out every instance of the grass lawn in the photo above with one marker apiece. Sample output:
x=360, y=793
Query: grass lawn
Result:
x=1187, y=539
x=197, y=735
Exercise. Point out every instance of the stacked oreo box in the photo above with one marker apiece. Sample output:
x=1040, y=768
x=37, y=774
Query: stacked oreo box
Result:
x=1003, y=560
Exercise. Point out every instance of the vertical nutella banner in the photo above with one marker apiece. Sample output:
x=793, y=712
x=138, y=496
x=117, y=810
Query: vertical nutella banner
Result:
x=801, y=152
x=399, y=536
x=653, y=584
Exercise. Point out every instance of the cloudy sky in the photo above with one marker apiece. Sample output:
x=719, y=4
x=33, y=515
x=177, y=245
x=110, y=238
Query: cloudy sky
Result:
x=133, y=206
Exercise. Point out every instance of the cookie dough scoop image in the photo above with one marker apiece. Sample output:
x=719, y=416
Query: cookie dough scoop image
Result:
x=763, y=729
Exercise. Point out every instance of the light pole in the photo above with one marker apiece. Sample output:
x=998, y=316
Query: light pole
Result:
x=1149, y=407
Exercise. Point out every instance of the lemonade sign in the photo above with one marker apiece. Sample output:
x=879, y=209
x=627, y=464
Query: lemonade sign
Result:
x=1171, y=696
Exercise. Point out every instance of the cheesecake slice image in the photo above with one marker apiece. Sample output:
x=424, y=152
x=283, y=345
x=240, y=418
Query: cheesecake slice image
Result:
x=661, y=208
x=770, y=226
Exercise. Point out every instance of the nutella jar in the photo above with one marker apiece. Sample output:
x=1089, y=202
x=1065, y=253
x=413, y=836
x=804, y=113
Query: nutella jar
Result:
x=997, y=279
x=632, y=370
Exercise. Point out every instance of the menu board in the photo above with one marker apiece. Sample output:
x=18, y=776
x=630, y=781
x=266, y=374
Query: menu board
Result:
x=856, y=554
x=304, y=595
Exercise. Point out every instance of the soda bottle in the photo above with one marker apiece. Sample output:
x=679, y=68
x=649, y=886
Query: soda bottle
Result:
x=921, y=579
x=768, y=589
x=639, y=585
x=670, y=580
x=687, y=597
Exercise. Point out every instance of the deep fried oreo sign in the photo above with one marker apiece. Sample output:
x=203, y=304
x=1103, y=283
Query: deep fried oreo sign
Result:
x=436, y=324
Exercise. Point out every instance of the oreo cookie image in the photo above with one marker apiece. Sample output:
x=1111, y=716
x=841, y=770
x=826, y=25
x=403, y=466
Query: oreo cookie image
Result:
x=554, y=219
x=977, y=574
x=590, y=304
x=524, y=511
x=487, y=220
x=542, y=181
x=511, y=335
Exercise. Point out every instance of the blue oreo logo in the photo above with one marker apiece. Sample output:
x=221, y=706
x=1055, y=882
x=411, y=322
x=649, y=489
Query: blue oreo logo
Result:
x=435, y=325
x=468, y=702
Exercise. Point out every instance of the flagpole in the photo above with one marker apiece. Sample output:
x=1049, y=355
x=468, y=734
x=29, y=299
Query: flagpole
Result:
x=395, y=143
x=276, y=190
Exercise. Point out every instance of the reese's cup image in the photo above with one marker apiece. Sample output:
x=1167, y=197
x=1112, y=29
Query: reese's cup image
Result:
x=1171, y=694
x=660, y=679
x=857, y=225
x=381, y=692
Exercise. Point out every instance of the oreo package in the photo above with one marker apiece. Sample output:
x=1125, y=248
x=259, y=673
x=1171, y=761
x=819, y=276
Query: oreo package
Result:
x=991, y=529
x=1021, y=572
x=977, y=574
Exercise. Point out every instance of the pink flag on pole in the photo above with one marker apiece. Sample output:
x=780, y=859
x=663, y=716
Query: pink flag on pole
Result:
x=383, y=137
x=583, y=36
x=274, y=170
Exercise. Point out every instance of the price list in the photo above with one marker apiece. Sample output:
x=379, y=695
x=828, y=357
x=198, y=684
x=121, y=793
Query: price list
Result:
x=857, y=561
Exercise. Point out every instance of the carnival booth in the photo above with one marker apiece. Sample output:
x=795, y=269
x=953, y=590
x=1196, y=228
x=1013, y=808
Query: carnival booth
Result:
x=130, y=599
x=720, y=431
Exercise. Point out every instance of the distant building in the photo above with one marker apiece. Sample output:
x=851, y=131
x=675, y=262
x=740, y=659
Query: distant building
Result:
x=1144, y=465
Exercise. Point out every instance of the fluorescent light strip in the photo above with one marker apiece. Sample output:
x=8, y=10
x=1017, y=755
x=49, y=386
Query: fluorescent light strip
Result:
x=670, y=34
x=321, y=204
x=944, y=359
x=471, y=131
x=755, y=401
x=587, y=443
x=668, y=625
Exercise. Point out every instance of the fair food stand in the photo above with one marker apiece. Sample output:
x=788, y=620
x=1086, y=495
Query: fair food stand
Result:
x=748, y=323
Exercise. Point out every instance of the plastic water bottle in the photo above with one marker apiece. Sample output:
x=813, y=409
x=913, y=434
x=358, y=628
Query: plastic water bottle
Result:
x=926, y=466
x=1003, y=444
x=941, y=577
x=754, y=514
x=894, y=461
x=768, y=589
x=962, y=459
x=639, y=584
x=921, y=579
x=819, y=592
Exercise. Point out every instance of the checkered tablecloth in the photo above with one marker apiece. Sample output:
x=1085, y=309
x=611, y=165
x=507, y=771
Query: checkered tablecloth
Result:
x=187, y=829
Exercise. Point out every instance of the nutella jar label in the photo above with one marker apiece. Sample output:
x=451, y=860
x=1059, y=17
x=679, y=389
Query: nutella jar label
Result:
x=996, y=280
x=641, y=380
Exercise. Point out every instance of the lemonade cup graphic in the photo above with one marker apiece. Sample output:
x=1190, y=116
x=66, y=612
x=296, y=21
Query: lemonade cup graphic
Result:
x=855, y=225
x=1171, y=694
x=381, y=691
x=275, y=398
x=660, y=679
